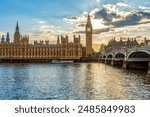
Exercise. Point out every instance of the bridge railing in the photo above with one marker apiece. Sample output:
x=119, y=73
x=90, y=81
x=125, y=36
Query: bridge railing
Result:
x=139, y=59
x=118, y=59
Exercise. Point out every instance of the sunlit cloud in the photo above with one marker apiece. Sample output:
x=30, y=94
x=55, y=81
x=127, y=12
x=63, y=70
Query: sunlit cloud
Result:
x=2, y=33
x=121, y=4
x=97, y=1
x=97, y=24
x=141, y=30
x=111, y=8
x=108, y=19
x=143, y=7
x=41, y=22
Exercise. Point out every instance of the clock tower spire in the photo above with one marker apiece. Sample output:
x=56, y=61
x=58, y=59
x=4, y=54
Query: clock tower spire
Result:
x=17, y=34
x=89, y=32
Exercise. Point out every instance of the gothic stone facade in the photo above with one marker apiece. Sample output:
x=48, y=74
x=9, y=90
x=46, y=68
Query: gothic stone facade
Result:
x=114, y=45
x=21, y=49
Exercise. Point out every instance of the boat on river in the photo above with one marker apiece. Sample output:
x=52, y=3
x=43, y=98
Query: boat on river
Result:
x=62, y=62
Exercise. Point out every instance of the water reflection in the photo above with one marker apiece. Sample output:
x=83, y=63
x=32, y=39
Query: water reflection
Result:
x=71, y=81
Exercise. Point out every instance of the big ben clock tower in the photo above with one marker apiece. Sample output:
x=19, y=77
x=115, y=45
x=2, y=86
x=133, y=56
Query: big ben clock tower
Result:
x=89, y=31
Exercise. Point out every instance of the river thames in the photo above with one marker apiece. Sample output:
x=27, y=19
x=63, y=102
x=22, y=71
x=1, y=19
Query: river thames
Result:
x=78, y=81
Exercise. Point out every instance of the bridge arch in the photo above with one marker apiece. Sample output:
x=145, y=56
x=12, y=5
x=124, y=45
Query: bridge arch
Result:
x=110, y=56
x=139, y=54
x=100, y=57
x=104, y=56
x=120, y=55
x=138, y=59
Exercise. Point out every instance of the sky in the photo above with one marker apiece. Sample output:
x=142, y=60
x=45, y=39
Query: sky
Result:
x=45, y=19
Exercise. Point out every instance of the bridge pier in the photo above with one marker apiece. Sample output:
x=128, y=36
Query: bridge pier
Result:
x=112, y=62
x=148, y=71
x=124, y=64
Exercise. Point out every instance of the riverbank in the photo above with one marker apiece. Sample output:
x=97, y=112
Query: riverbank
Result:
x=83, y=59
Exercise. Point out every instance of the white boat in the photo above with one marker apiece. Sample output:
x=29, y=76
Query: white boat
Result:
x=61, y=62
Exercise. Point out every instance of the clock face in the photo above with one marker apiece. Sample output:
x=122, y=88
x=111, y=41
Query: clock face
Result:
x=88, y=29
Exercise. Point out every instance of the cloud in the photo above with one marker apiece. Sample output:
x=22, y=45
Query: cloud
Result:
x=80, y=22
x=98, y=1
x=110, y=19
x=134, y=18
x=2, y=33
x=143, y=7
x=147, y=11
x=122, y=4
x=42, y=30
x=98, y=31
x=111, y=15
x=44, y=37
x=141, y=30
x=46, y=28
x=41, y=22
x=107, y=13
x=73, y=18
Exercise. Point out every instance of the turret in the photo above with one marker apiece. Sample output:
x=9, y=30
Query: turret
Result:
x=67, y=38
x=17, y=27
x=47, y=42
x=134, y=39
x=128, y=39
x=76, y=39
x=24, y=40
x=35, y=42
x=7, y=38
x=120, y=39
x=58, y=40
x=3, y=39
x=74, y=36
x=64, y=40
x=41, y=42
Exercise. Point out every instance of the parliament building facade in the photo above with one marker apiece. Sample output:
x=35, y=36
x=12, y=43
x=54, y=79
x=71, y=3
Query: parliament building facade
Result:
x=21, y=49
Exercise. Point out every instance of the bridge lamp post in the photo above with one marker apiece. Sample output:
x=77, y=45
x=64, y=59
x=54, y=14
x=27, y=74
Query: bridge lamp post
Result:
x=148, y=71
x=105, y=57
x=125, y=58
x=112, y=60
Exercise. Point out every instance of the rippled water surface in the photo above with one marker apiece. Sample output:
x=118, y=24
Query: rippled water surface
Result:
x=71, y=81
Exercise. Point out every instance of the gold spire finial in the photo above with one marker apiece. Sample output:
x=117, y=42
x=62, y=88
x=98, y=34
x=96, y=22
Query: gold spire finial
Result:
x=89, y=17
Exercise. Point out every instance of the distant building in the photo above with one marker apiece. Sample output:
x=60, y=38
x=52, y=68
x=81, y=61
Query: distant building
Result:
x=146, y=42
x=114, y=45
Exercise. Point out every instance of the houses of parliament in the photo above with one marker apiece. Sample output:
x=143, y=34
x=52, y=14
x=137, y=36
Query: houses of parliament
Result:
x=21, y=49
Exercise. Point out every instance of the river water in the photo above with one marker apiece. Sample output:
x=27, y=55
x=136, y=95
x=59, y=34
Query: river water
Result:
x=79, y=81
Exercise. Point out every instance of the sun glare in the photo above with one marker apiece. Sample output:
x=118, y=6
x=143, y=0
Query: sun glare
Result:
x=97, y=24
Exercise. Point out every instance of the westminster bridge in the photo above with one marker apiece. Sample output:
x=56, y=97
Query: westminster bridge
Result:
x=134, y=58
